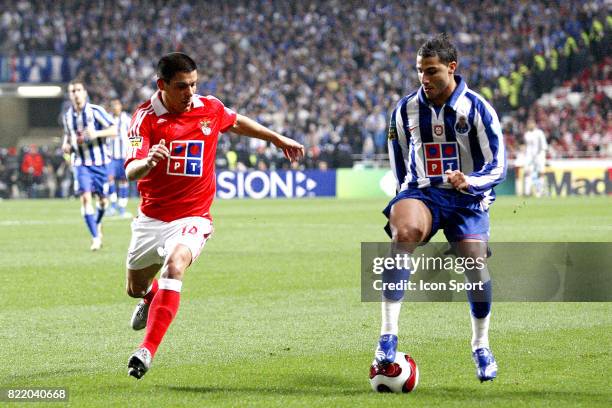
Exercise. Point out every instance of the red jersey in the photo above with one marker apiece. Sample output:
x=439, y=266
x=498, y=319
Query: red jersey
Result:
x=184, y=184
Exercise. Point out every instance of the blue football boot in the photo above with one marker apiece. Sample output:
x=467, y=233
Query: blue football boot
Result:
x=486, y=367
x=387, y=347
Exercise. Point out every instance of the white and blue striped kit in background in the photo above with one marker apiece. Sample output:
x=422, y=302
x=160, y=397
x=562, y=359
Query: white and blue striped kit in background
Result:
x=93, y=152
x=118, y=146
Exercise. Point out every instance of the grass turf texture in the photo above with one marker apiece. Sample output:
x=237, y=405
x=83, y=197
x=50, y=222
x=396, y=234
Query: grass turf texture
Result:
x=271, y=313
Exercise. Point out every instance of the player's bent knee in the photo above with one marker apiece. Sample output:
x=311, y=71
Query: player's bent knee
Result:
x=135, y=291
x=174, y=269
x=475, y=250
x=177, y=262
x=408, y=233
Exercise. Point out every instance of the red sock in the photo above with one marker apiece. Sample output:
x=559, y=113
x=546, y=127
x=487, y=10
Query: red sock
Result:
x=149, y=296
x=161, y=313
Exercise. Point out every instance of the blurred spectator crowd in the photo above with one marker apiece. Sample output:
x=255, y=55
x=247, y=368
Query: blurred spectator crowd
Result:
x=576, y=117
x=326, y=73
x=34, y=172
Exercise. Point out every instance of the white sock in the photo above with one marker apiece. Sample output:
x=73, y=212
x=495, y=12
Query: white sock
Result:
x=480, y=332
x=170, y=284
x=390, y=316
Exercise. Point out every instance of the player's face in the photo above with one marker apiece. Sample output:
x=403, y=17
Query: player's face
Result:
x=530, y=125
x=178, y=91
x=116, y=107
x=436, y=78
x=77, y=94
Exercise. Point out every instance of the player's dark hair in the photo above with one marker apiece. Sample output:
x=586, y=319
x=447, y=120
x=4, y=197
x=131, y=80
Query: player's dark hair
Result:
x=172, y=63
x=77, y=81
x=439, y=46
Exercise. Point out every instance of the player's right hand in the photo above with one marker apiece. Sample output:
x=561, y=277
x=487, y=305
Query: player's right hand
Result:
x=157, y=153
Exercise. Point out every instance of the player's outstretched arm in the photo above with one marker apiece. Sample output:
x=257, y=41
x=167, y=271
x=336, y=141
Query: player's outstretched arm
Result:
x=137, y=169
x=248, y=127
x=110, y=131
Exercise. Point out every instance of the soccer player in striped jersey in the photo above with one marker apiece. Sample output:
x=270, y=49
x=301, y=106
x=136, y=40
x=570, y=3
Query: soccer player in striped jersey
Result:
x=86, y=127
x=173, y=142
x=447, y=153
x=118, y=146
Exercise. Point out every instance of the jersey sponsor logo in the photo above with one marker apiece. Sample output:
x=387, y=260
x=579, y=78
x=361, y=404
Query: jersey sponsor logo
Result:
x=186, y=157
x=462, y=126
x=438, y=130
x=205, y=126
x=135, y=141
x=440, y=157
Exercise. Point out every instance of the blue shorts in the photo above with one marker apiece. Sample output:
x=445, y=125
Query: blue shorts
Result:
x=116, y=169
x=93, y=179
x=459, y=215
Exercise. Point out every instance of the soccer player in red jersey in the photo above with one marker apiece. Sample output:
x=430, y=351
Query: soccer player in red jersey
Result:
x=173, y=141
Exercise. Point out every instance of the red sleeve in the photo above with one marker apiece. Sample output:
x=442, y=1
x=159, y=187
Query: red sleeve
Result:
x=227, y=116
x=139, y=135
x=228, y=119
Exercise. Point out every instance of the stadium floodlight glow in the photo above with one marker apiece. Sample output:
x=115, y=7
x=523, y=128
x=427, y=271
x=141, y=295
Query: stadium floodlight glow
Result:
x=41, y=91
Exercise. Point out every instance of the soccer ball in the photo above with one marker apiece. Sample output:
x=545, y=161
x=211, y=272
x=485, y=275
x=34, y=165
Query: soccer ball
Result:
x=400, y=376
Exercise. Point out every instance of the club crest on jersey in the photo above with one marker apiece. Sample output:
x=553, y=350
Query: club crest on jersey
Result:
x=135, y=141
x=205, y=126
x=440, y=157
x=438, y=130
x=462, y=126
x=186, y=157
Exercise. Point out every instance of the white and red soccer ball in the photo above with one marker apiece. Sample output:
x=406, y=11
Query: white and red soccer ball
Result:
x=400, y=376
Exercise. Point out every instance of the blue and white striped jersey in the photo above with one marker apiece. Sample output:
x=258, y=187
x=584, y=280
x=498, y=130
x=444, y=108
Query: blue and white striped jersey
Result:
x=464, y=134
x=118, y=145
x=91, y=152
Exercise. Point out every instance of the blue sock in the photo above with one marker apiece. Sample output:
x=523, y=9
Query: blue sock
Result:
x=398, y=277
x=123, y=197
x=91, y=224
x=100, y=214
x=480, y=300
x=123, y=191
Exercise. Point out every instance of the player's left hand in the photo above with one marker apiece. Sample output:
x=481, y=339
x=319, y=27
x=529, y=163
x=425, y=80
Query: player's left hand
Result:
x=457, y=179
x=293, y=150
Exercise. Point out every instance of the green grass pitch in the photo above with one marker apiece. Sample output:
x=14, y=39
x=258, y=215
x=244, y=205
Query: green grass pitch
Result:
x=271, y=314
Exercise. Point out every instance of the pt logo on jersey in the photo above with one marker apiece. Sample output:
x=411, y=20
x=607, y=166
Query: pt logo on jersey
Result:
x=440, y=157
x=186, y=158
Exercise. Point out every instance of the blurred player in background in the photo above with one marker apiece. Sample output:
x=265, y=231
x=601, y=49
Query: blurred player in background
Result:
x=447, y=152
x=535, y=159
x=118, y=184
x=173, y=141
x=86, y=127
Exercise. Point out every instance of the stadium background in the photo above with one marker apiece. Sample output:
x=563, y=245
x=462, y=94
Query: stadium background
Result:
x=324, y=73
x=272, y=315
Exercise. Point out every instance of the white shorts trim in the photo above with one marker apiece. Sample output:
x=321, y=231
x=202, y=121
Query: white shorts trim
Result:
x=153, y=239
